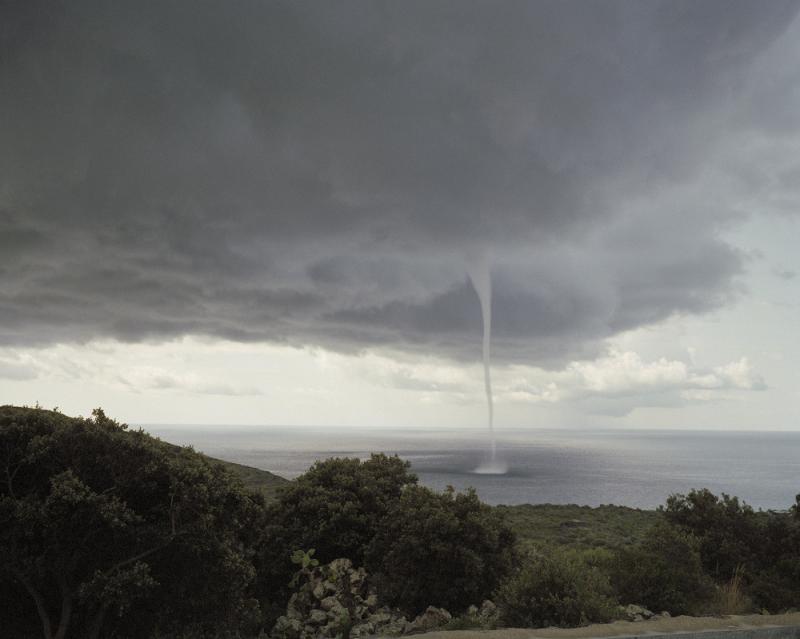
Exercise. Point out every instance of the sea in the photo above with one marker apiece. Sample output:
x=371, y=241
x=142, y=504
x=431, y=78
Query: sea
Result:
x=636, y=468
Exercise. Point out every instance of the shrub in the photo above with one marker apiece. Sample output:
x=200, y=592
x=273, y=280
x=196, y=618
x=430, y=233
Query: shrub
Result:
x=730, y=598
x=664, y=572
x=336, y=507
x=555, y=588
x=442, y=549
x=760, y=550
x=727, y=530
x=109, y=532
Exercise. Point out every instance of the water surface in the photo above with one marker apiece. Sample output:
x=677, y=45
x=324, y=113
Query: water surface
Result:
x=569, y=466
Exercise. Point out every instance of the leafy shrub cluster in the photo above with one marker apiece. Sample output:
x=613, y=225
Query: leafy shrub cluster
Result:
x=421, y=548
x=556, y=589
x=663, y=572
x=99, y=526
x=108, y=532
x=741, y=549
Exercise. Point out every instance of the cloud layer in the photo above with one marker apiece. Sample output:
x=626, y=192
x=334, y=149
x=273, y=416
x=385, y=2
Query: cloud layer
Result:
x=313, y=173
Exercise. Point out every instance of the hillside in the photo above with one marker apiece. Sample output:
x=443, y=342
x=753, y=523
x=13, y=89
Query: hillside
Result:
x=255, y=479
x=580, y=527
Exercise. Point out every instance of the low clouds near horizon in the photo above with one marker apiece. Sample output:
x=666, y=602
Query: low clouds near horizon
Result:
x=325, y=173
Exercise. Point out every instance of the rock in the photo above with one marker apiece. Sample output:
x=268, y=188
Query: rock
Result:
x=431, y=619
x=396, y=627
x=665, y=614
x=632, y=612
x=380, y=618
x=362, y=630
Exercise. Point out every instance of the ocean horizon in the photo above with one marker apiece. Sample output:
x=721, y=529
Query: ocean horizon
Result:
x=636, y=468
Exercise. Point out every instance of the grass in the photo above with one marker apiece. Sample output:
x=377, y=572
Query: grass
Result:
x=578, y=527
x=255, y=479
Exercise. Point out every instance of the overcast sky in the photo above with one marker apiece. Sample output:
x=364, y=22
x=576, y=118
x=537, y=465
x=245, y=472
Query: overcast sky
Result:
x=265, y=212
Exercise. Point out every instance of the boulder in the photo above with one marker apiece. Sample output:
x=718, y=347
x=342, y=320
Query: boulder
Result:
x=633, y=612
x=398, y=626
x=431, y=619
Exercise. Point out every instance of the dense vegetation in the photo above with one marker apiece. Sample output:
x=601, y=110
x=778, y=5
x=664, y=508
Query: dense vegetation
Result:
x=421, y=548
x=109, y=532
x=578, y=527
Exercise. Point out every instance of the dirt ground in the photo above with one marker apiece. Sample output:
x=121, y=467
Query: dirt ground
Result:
x=621, y=628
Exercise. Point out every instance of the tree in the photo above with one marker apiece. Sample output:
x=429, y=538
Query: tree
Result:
x=335, y=507
x=421, y=547
x=728, y=530
x=664, y=572
x=112, y=531
x=443, y=549
x=554, y=588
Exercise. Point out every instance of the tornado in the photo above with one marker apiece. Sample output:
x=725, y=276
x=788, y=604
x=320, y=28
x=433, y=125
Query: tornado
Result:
x=481, y=278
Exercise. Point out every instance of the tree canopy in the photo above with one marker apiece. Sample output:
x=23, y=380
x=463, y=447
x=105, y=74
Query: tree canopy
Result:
x=99, y=524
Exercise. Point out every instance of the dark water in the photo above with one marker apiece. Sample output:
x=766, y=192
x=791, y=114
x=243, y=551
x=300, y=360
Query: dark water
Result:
x=588, y=467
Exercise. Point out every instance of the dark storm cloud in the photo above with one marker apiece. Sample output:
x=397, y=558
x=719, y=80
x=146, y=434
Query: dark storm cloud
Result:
x=324, y=172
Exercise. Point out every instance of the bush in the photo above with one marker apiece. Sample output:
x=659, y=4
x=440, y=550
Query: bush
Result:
x=664, y=572
x=759, y=550
x=336, y=507
x=108, y=532
x=443, y=549
x=728, y=531
x=420, y=547
x=555, y=589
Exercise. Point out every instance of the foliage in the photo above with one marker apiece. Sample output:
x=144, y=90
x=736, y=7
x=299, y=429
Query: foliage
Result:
x=772, y=581
x=255, y=479
x=728, y=530
x=730, y=598
x=306, y=562
x=760, y=549
x=335, y=507
x=441, y=549
x=578, y=527
x=421, y=547
x=555, y=588
x=664, y=572
x=109, y=532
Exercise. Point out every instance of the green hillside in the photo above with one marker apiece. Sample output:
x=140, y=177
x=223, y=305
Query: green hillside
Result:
x=255, y=479
x=580, y=527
